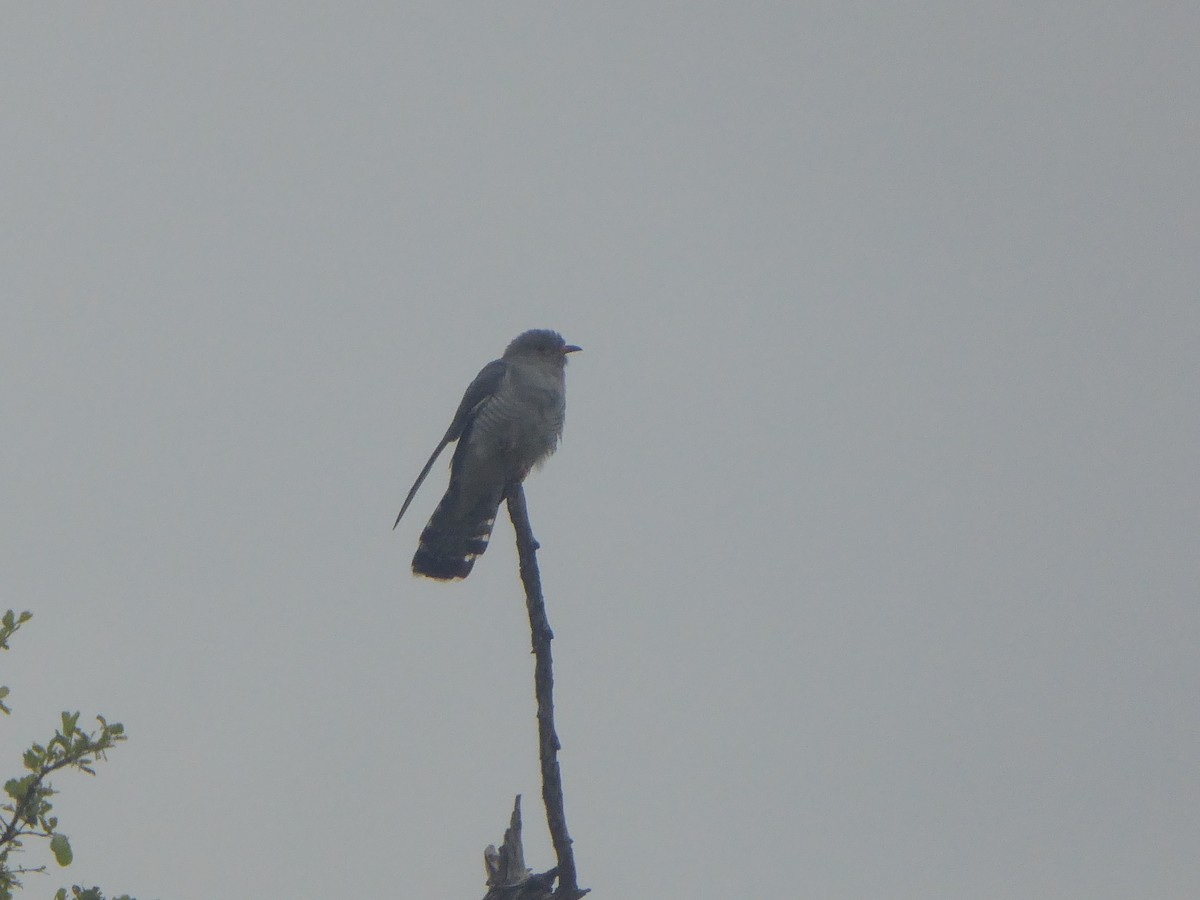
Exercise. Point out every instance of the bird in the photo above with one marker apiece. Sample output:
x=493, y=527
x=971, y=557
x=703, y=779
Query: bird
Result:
x=509, y=420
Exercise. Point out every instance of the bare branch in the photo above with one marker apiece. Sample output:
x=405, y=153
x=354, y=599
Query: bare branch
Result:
x=543, y=682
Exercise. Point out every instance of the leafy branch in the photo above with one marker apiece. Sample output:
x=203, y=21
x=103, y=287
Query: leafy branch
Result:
x=8, y=626
x=27, y=812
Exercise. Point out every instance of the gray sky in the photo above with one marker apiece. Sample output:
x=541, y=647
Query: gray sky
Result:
x=872, y=546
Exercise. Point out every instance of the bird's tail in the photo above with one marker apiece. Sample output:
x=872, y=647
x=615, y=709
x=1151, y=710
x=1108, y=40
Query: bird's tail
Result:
x=453, y=539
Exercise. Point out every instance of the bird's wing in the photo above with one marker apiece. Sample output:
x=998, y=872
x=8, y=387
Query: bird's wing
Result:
x=477, y=394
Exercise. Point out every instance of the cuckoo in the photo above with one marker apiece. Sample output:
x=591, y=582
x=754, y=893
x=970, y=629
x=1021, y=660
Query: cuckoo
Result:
x=509, y=420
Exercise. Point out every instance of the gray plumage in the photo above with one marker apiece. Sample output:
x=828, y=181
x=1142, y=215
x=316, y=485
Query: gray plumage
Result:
x=509, y=420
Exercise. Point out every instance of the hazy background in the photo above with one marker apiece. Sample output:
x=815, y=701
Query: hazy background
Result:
x=871, y=549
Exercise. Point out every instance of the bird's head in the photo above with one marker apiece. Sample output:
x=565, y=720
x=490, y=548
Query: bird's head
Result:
x=540, y=343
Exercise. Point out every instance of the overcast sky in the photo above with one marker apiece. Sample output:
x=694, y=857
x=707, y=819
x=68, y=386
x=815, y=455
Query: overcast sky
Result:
x=873, y=545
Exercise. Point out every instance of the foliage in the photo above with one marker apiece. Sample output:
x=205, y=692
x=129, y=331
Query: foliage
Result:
x=92, y=893
x=8, y=625
x=27, y=811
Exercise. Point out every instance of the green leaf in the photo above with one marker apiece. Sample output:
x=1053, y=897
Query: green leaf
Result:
x=61, y=848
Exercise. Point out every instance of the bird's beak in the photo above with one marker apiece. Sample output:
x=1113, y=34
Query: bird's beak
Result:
x=570, y=348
